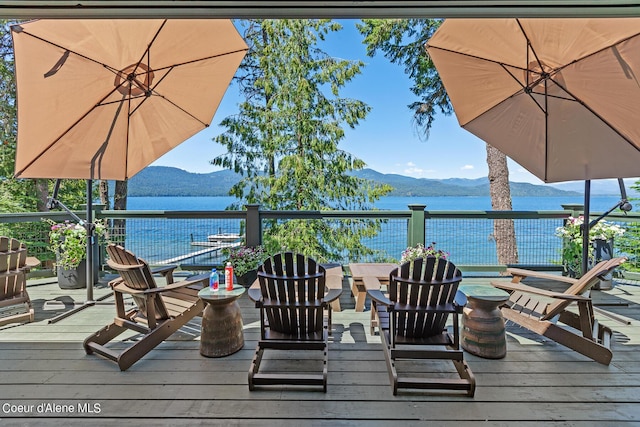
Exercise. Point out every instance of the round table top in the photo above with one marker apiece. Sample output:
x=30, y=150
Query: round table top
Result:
x=222, y=295
x=484, y=292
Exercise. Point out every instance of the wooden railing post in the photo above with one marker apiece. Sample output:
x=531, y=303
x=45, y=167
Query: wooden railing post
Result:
x=416, y=231
x=254, y=226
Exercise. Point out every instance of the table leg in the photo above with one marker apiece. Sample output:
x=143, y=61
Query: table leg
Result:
x=359, y=293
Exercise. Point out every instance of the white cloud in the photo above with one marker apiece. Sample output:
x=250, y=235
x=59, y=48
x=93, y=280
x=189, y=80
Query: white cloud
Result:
x=467, y=167
x=411, y=169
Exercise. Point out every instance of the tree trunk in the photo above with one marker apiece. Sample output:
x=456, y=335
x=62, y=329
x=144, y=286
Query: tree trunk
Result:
x=503, y=229
x=119, y=203
x=42, y=194
x=103, y=189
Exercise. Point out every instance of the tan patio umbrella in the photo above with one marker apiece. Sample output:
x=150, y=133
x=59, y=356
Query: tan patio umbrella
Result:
x=102, y=99
x=559, y=96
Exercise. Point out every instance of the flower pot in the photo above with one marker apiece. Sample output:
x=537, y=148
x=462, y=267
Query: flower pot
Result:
x=603, y=250
x=76, y=278
x=247, y=278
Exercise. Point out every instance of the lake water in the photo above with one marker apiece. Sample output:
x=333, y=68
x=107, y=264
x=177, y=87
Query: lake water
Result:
x=598, y=203
x=470, y=240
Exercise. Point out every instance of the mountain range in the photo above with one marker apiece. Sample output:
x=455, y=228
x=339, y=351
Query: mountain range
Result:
x=170, y=181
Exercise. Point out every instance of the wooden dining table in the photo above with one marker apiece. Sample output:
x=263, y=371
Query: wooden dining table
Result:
x=359, y=274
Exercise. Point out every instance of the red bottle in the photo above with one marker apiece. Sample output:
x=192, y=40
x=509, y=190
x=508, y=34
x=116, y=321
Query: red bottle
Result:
x=228, y=276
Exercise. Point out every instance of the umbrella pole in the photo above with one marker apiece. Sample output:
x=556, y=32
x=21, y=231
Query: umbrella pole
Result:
x=90, y=241
x=585, y=226
x=88, y=224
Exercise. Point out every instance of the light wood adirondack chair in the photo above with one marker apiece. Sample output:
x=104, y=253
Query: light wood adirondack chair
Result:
x=412, y=321
x=159, y=311
x=295, y=307
x=15, y=305
x=540, y=310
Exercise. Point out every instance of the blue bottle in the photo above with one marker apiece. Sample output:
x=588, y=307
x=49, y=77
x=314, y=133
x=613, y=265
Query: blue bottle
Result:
x=214, y=280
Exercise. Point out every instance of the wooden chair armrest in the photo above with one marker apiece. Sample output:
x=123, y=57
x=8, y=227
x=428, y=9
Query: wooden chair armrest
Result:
x=32, y=262
x=254, y=294
x=460, y=299
x=332, y=295
x=442, y=308
x=377, y=296
x=123, y=288
x=522, y=273
x=166, y=271
x=519, y=287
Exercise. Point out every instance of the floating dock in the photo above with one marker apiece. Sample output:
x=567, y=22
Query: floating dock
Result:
x=210, y=248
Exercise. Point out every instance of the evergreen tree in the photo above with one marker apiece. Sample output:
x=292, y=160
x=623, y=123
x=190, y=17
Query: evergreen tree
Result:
x=285, y=139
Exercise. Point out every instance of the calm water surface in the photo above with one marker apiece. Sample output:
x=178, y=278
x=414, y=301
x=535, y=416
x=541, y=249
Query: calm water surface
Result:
x=598, y=203
x=471, y=240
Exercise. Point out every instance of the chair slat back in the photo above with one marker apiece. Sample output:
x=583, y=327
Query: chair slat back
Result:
x=583, y=285
x=13, y=257
x=422, y=283
x=138, y=278
x=293, y=286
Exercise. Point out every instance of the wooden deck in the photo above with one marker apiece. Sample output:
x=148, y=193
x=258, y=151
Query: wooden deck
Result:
x=45, y=370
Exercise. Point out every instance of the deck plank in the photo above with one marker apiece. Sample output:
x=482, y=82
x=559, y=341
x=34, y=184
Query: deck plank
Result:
x=538, y=382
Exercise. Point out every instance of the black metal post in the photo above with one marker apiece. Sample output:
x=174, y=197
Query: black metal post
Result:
x=585, y=226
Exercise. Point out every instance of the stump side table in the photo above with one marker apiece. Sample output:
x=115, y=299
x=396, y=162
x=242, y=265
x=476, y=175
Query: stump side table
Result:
x=483, y=329
x=221, y=322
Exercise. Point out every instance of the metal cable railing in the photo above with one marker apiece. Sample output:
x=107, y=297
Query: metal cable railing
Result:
x=188, y=238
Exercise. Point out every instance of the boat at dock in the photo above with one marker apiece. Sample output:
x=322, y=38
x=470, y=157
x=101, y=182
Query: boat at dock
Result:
x=224, y=237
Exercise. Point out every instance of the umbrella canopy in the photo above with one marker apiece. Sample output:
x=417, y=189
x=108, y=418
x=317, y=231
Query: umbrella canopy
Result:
x=559, y=96
x=102, y=99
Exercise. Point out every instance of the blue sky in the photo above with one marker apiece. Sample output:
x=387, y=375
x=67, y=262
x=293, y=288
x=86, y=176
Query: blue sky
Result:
x=386, y=140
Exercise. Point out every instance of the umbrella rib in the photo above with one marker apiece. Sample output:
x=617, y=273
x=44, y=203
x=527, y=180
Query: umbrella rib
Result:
x=477, y=57
x=62, y=134
x=529, y=48
x=113, y=70
x=178, y=107
x=103, y=147
x=602, y=119
x=596, y=52
x=200, y=59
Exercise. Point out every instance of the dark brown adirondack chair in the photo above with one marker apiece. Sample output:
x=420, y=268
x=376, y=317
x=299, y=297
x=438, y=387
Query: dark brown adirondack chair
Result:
x=15, y=305
x=295, y=307
x=412, y=319
x=159, y=311
x=528, y=308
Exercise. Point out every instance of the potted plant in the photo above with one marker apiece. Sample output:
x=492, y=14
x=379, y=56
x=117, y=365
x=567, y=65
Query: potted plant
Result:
x=421, y=251
x=245, y=261
x=68, y=241
x=601, y=237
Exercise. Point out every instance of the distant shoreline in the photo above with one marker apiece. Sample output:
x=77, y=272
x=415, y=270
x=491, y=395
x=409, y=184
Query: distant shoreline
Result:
x=163, y=181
